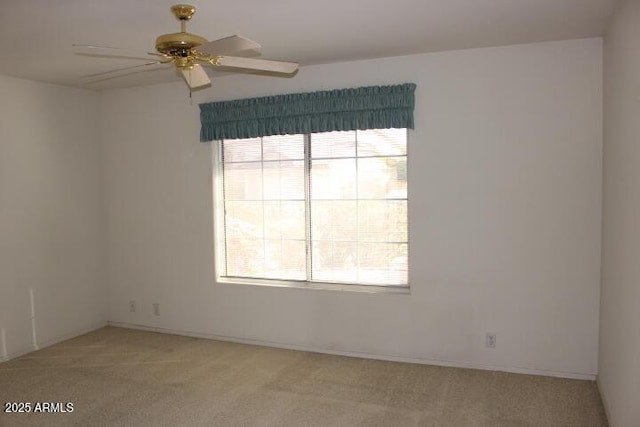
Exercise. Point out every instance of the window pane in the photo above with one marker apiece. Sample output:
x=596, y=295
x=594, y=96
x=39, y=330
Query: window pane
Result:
x=333, y=179
x=283, y=147
x=334, y=220
x=245, y=257
x=283, y=180
x=265, y=208
x=333, y=144
x=284, y=220
x=382, y=142
x=382, y=263
x=243, y=181
x=285, y=259
x=382, y=221
x=382, y=178
x=242, y=150
x=244, y=219
x=335, y=261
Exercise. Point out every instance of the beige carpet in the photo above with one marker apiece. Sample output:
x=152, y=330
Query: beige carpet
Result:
x=120, y=377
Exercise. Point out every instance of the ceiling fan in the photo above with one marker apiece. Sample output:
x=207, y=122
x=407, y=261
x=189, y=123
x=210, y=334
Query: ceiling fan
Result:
x=189, y=53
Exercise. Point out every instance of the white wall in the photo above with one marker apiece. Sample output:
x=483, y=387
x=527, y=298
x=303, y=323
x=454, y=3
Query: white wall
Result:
x=505, y=201
x=51, y=214
x=619, y=366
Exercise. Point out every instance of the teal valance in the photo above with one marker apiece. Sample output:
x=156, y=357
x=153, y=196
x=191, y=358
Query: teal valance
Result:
x=371, y=107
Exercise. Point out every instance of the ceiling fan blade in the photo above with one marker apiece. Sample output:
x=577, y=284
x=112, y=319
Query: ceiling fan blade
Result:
x=113, y=52
x=195, y=77
x=258, y=64
x=88, y=76
x=125, y=74
x=226, y=45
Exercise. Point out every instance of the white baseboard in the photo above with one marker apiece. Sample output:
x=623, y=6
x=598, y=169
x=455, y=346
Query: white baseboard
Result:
x=387, y=357
x=52, y=341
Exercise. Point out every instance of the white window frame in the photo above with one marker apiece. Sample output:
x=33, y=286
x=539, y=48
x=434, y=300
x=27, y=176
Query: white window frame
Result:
x=219, y=238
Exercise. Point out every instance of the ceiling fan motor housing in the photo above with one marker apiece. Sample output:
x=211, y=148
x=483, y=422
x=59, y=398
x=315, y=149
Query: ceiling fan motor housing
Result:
x=180, y=45
x=175, y=43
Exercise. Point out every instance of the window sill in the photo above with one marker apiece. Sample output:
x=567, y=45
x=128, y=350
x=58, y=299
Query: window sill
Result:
x=317, y=286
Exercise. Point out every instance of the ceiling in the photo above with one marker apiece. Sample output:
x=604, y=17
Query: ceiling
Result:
x=38, y=34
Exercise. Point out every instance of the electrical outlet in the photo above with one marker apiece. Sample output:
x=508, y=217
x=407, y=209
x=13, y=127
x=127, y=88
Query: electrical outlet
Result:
x=491, y=340
x=132, y=306
x=156, y=308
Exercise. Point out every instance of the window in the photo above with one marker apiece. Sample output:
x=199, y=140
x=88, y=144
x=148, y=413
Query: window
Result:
x=324, y=207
